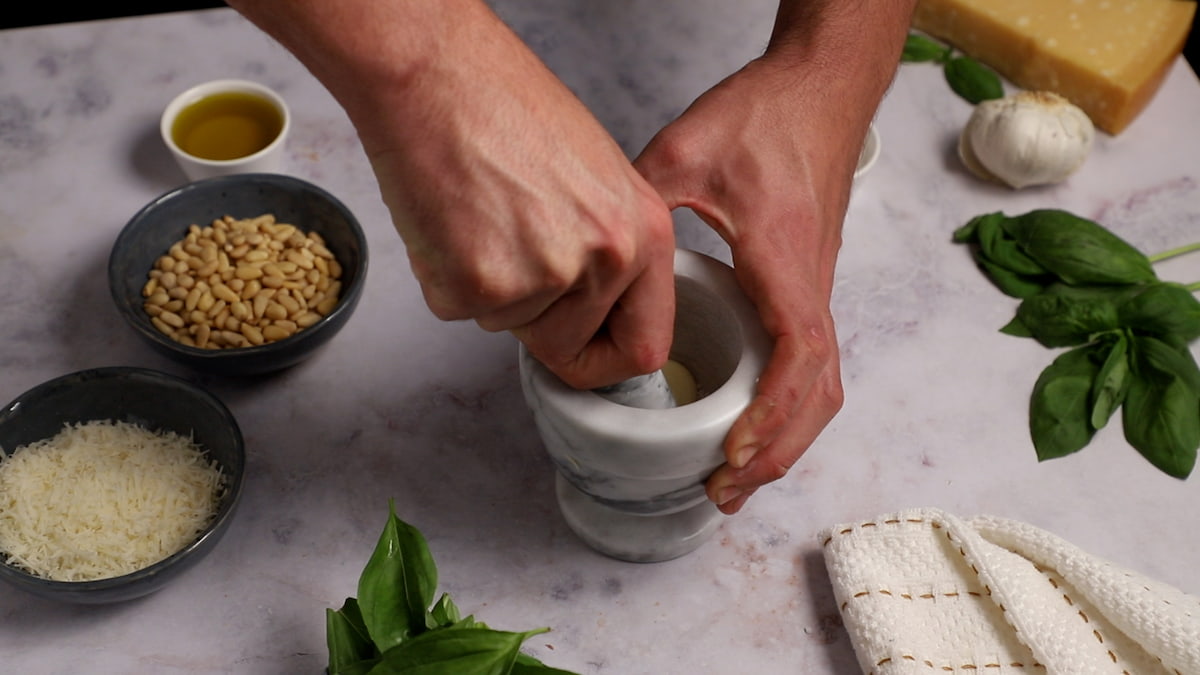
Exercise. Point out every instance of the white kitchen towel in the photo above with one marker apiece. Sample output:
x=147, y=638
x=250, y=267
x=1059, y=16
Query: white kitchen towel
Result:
x=923, y=591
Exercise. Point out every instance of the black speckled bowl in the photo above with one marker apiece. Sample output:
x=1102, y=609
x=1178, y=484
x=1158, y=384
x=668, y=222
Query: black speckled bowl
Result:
x=164, y=221
x=155, y=401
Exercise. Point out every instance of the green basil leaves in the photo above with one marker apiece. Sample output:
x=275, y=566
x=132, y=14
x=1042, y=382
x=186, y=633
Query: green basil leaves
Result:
x=1024, y=254
x=1084, y=288
x=968, y=78
x=394, y=627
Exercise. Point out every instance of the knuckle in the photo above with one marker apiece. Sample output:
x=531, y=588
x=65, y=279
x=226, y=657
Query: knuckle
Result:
x=647, y=357
x=833, y=396
x=775, y=468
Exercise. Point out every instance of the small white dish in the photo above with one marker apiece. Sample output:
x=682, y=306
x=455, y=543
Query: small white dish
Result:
x=268, y=158
x=870, y=152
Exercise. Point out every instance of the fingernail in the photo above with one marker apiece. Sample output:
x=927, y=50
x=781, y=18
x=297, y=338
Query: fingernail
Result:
x=728, y=494
x=743, y=456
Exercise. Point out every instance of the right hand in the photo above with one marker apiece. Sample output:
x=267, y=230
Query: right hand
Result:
x=519, y=211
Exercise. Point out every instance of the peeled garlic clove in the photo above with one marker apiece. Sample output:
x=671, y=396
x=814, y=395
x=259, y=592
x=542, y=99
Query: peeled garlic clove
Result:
x=1027, y=138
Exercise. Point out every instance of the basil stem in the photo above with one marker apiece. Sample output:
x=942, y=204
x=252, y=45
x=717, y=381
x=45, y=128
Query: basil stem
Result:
x=1157, y=257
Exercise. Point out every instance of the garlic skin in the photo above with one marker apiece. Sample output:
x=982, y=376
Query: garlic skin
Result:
x=1024, y=139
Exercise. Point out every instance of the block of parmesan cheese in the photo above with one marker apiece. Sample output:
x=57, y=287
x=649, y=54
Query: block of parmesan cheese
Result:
x=1108, y=57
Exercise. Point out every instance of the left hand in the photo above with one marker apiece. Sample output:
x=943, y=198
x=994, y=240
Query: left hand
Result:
x=766, y=159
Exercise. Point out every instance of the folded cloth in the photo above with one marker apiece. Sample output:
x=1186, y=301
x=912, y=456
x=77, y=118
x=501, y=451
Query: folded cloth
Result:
x=923, y=591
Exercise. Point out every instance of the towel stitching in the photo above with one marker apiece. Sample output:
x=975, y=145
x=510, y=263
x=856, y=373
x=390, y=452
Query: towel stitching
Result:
x=949, y=668
x=987, y=589
x=933, y=524
x=1084, y=617
x=870, y=523
x=909, y=596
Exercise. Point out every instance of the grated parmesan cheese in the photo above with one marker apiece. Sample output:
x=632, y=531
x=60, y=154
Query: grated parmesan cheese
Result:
x=103, y=498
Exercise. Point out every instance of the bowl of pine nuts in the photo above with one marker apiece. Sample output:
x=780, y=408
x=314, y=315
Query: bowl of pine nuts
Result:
x=239, y=275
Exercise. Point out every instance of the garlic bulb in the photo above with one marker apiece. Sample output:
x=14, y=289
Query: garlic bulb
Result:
x=1027, y=138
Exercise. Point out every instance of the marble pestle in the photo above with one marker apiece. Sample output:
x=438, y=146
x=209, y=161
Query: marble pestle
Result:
x=650, y=391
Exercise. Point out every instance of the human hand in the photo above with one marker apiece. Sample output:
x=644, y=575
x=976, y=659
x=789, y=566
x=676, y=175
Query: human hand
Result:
x=516, y=207
x=769, y=167
x=519, y=211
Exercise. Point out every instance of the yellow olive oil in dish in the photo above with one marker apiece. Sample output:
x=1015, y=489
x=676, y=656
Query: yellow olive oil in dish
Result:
x=228, y=125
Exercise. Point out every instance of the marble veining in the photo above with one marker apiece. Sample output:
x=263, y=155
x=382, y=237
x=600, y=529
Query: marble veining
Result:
x=402, y=406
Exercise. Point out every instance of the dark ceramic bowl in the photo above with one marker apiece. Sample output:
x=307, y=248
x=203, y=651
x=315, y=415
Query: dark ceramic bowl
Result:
x=164, y=221
x=155, y=401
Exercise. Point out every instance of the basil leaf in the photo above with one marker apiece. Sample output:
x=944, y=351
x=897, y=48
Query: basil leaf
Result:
x=1060, y=406
x=397, y=585
x=444, y=612
x=1161, y=413
x=969, y=232
x=1016, y=329
x=1077, y=250
x=1163, y=309
x=999, y=248
x=1010, y=283
x=347, y=637
x=972, y=80
x=468, y=621
x=461, y=651
x=1111, y=383
x=527, y=665
x=920, y=49
x=1155, y=355
x=358, y=668
x=1061, y=319
x=999, y=257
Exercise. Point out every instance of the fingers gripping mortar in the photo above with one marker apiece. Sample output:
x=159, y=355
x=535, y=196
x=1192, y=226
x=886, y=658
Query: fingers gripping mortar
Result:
x=631, y=464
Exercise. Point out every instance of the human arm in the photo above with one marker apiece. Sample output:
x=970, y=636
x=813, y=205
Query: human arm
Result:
x=517, y=209
x=766, y=158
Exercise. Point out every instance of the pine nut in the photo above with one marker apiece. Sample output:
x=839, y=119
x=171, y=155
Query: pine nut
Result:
x=171, y=319
x=252, y=334
x=236, y=283
x=223, y=292
x=273, y=332
x=275, y=311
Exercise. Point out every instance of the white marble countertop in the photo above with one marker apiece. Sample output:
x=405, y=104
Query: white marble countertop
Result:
x=403, y=406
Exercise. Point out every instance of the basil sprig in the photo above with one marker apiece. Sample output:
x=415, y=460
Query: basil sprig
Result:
x=968, y=78
x=394, y=627
x=1128, y=332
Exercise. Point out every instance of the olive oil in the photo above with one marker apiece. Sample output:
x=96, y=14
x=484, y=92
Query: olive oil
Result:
x=228, y=125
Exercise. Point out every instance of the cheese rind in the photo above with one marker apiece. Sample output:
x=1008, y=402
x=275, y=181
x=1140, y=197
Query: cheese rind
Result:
x=1108, y=57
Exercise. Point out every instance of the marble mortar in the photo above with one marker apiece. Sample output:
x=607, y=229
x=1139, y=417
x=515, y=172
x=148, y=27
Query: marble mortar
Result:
x=630, y=480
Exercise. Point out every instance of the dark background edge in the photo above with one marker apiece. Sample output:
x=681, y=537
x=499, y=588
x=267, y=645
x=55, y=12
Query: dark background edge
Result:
x=51, y=14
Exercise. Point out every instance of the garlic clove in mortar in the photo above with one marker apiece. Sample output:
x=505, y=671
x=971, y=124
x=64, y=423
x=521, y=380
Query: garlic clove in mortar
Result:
x=1027, y=138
